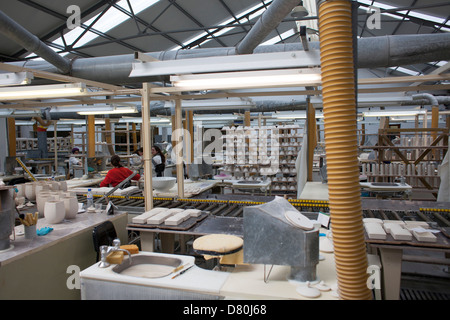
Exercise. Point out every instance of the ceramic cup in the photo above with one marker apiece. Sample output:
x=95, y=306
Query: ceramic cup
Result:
x=40, y=202
x=54, y=211
x=30, y=191
x=54, y=185
x=20, y=201
x=71, y=206
x=40, y=187
x=20, y=190
x=63, y=185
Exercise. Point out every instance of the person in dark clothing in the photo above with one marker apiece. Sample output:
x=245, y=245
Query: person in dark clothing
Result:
x=158, y=161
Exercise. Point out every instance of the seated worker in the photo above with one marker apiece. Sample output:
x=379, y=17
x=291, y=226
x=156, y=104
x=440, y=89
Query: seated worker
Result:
x=158, y=161
x=136, y=160
x=117, y=174
x=74, y=160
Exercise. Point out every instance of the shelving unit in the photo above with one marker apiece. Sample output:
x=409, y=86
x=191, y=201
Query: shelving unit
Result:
x=414, y=154
x=63, y=144
x=82, y=135
x=260, y=153
x=24, y=144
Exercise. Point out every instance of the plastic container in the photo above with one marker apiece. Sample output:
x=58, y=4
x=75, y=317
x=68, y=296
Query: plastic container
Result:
x=90, y=199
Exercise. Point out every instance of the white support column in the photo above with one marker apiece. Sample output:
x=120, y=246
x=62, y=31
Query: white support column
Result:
x=179, y=155
x=146, y=144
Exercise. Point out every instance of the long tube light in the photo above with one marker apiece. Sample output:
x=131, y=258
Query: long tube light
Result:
x=393, y=113
x=111, y=110
x=294, y=115
x=45, y=91
x=213, y=104
x=15, y=78
x=153, y=120
x=248, y=79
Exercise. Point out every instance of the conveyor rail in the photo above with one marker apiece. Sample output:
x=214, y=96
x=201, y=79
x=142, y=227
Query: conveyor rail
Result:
x=234, y=208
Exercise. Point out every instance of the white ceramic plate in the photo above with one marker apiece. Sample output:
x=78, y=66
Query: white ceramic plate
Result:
x=298, y=220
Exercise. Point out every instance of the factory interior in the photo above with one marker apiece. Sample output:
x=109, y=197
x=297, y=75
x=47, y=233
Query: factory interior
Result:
x=224, y=150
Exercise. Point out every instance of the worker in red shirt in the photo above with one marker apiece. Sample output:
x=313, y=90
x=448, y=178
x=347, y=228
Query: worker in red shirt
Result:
x=117, y=174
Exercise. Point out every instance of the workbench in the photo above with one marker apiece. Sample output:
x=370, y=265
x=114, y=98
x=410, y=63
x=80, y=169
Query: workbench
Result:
x=247, y=282
x=265, y=186
x=41, y=165
x=314, y=190
x=38, y=268
x=391, y=253
x=211, y=224
x=80, y=183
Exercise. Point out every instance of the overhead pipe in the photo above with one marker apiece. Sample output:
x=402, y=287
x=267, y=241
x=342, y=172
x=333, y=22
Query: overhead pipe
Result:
x=267, y=22
x=158, y=108
x=20, y=35
x=373, y=52
x=427, y=96
x=341, y=146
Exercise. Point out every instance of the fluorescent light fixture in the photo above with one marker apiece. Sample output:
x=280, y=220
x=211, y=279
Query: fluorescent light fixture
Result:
x=393, y=113
x=243, y=62
x=108, y=110
x=219, y=117
x=15, y=78
x=47, y=91
x=213, y=104
x=153, y=120
x=248, y=79
x=11, y=113
x=79, y=122
x=290, y=115
x=294, y=115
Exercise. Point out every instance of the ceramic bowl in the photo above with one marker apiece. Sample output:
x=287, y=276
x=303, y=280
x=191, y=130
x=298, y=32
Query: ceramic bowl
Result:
x=163, y=183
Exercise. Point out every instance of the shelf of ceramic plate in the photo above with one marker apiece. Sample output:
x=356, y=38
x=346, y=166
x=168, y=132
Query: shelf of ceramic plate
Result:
x=258, y=151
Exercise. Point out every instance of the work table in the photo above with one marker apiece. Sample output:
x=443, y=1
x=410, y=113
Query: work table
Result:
x=61, y=231
x=38, y=268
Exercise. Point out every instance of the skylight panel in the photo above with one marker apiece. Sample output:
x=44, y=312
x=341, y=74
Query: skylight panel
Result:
x=279, y=38
x=240, y=18
x=411, y=13
x=111, y=19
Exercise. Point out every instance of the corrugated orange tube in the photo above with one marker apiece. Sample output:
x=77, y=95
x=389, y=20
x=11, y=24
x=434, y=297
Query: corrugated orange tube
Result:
x=339, y=109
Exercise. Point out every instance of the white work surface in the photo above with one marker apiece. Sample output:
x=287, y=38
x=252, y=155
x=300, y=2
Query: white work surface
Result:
x=247, y=282
x=262, y=185
x=373, y=187
x=105, y=190
x=315, y=191
x=244, y=282
x=319, y=191
x=79, y=183
x=191, y=188
x=195, y=279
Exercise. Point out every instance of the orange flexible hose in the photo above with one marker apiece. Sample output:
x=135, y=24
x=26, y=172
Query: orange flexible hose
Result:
x=341, y=145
